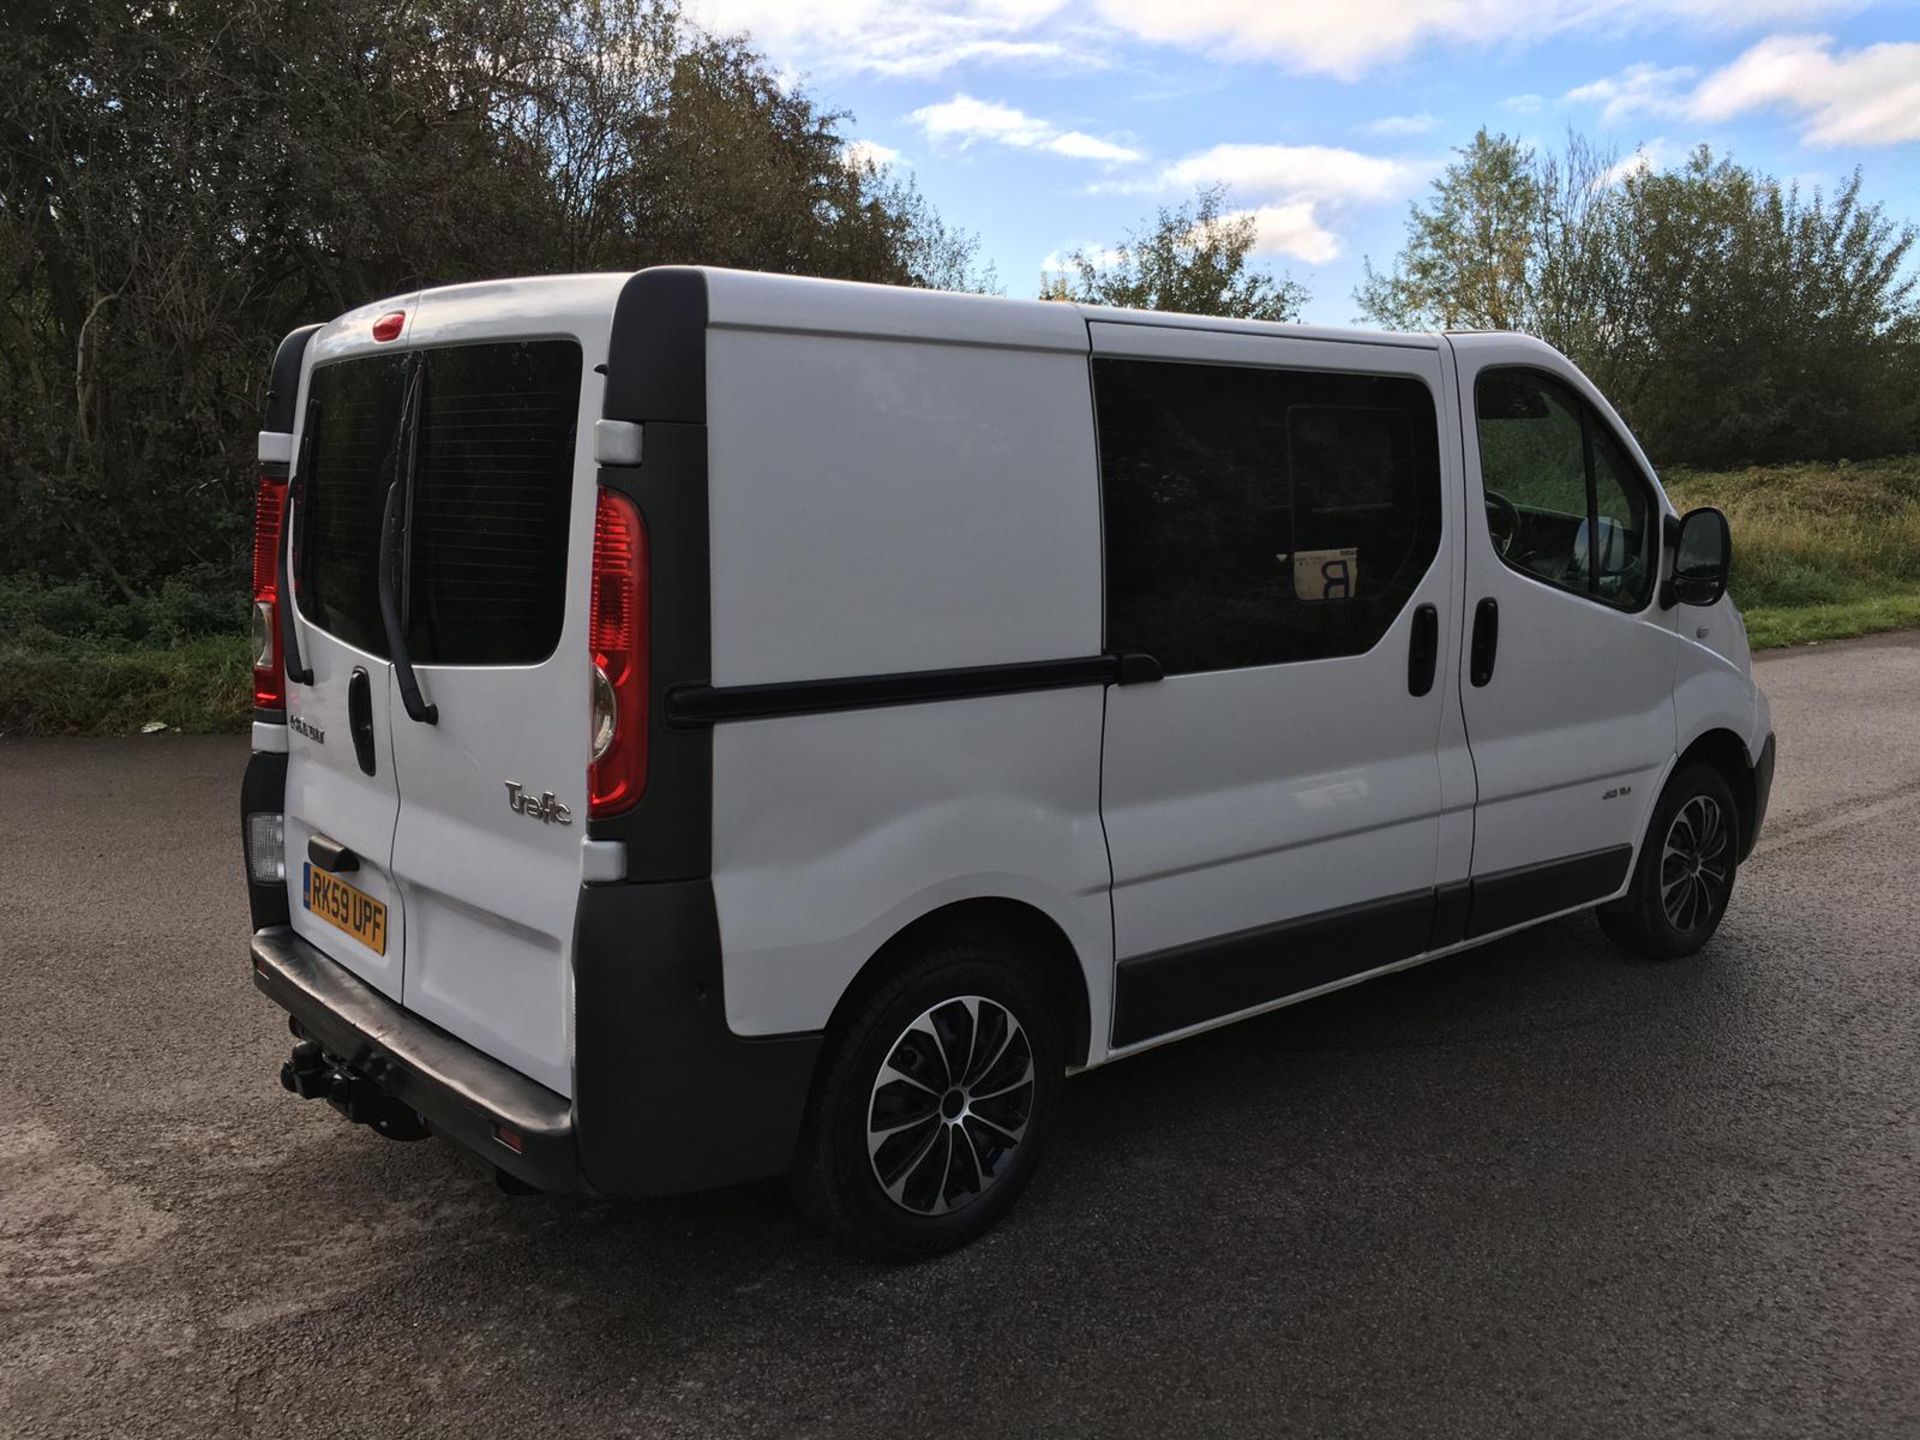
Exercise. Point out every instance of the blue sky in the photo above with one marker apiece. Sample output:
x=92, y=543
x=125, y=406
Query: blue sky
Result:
x=1048, y=124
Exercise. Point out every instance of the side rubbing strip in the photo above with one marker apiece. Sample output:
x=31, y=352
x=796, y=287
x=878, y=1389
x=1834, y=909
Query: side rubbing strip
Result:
x=1532, y=892
x=695, y=705
x=1190, y=984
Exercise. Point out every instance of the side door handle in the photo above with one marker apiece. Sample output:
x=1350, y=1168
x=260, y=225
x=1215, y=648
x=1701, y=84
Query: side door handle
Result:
x=360, y=718
x=1423, y=650
x=1486, y=640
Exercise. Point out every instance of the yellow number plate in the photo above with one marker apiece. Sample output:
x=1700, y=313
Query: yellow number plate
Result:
x=345, y=908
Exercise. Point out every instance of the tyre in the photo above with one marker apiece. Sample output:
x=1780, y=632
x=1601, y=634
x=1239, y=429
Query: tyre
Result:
x=932, y=1104
x=1684, y=877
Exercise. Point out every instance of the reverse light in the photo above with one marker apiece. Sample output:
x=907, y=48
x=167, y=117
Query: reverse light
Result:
x=269, y=669
x=267, y=847
x=618, y=643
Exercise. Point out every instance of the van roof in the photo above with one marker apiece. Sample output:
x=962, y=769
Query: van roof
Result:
x=751, y=299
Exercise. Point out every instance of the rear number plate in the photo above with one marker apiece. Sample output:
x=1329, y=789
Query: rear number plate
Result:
x=345, y=908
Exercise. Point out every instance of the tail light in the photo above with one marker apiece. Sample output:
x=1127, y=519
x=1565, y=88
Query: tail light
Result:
x=617, y=638
x=269, y=670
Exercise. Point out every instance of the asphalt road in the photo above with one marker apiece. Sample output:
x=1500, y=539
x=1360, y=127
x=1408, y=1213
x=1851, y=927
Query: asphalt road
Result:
x=1536, y=1190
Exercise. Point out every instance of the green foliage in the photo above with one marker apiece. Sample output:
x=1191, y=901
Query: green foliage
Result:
x=182, y=184
x=200, y=688
x=1469, y=252
x=1731, y=319
x=1808, y=535
x=1192, y=260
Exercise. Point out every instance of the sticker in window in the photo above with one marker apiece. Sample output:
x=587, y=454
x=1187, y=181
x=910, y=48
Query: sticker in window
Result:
x=1326, y=574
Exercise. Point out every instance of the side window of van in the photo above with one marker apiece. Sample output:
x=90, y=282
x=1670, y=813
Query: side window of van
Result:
x=1258, y=516
x=1564, y=501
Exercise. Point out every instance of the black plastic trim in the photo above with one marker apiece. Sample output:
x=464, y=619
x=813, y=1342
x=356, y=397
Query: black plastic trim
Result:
x=657, y=351
x=666, y=1097
x=1452, y=902
x=707, y=705
x=1423, y=650
x=283, y=379
x=331, y=855
x=1190, y=984
x=1532, y=892
x=656, y=377
x=263, y=790
x=1486, y=641
x=1762, y=792
x=462, y=1093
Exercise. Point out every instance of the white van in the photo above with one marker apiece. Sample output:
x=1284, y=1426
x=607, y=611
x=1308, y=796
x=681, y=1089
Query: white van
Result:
x=717, y=725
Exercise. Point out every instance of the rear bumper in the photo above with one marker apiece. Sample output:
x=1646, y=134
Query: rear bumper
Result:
x=462, y=1093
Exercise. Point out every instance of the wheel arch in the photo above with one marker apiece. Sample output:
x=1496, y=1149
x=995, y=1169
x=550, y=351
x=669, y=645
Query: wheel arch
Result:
x=1726, y=752
x=1003, y=920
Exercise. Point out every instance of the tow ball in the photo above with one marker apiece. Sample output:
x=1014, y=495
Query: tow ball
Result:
x=312, y=1074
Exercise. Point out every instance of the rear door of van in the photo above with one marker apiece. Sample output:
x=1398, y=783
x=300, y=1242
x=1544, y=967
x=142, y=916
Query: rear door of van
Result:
x=342, y=795
x=492, y=792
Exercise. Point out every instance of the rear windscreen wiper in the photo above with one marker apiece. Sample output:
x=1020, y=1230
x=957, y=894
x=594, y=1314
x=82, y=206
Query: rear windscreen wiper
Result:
x=392, y=535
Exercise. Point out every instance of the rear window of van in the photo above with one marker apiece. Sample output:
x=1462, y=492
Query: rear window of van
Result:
x=480, y=469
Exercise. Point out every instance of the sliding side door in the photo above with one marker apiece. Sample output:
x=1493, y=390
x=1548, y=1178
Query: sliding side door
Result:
x=1279, y=540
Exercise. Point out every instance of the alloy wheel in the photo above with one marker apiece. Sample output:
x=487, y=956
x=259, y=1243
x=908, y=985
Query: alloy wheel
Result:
x=950, y=1105
x=1694, y=867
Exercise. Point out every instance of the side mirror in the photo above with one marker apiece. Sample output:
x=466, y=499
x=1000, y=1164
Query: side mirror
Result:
x=1702, y=554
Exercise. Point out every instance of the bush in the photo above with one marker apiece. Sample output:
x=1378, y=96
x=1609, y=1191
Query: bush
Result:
x=200, y=687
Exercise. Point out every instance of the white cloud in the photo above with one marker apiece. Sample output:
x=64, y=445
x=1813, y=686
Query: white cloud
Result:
x=928, y=38
x=1081, y=146
x=1860, y=97
x=1333, y=39
x=1294, y=230
x=1294, y=193
x=919, y=39
x=861, y=153
x=1648, y=157
x=965, y=120
x=1293, y=172
x=1636, y=90
x=1401, y=124
x=1523, y=104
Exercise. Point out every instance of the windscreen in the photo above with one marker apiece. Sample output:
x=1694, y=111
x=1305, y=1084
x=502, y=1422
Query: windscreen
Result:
x=484, y=470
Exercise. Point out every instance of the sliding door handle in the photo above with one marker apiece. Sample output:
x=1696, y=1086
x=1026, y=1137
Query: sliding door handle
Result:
x=1423, y=650
x=1486, y=640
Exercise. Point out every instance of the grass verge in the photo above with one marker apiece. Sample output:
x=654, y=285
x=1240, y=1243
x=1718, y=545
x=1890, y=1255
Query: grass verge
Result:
x=199, y=687
x=1820, y=552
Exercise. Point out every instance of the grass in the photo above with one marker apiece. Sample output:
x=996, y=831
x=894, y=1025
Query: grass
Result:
x=1820, y=552
x=79, y=688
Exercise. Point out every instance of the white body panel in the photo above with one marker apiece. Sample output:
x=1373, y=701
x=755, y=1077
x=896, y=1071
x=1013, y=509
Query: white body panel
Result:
x=327, y=795
x=1574, y=733
x=1239, y=798
x=832, y=832
x=492, y=892
x=882, y=504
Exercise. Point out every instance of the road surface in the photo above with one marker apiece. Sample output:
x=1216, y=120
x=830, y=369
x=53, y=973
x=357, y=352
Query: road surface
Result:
x=1537, y=1189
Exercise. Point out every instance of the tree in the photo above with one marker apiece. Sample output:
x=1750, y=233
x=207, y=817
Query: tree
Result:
x=1466, y=261
x=181, y=184
x=1192, y=260
x=1731, y=320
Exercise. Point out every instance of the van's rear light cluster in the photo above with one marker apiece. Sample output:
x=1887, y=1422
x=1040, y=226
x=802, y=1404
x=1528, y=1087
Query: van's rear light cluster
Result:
x=269, y=669
x=618, y=640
